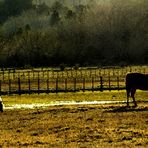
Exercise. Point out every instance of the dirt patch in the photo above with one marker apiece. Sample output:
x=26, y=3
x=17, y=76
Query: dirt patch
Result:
x=75, y=126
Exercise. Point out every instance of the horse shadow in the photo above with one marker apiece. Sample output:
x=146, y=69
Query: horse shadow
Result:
x=127, y=109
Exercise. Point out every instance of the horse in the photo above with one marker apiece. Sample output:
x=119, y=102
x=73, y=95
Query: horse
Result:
x=135, y=81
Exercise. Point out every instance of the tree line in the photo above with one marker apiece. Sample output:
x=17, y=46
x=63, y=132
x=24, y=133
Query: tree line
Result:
x=109, y=33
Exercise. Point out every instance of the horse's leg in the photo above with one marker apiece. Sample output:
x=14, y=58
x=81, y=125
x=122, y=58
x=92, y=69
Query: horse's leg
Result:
x=128, y=94
x=133, y=91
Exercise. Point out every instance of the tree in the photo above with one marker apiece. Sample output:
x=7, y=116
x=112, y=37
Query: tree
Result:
x=10, y=8
x=43, y=8
x=15, y=7
x=54, y=18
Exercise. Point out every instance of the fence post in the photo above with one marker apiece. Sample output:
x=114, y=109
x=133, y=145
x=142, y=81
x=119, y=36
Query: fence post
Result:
x=109, y=84
x=18, y=74
x=47, y=85
x=75, y=81
x=3, y=75
x=81, y=72
x=101, y=84
x=33, y=73
x=130, y=69
x=104, y=71
x=47, y=74
x=8, y=74
x=57, y=74
x=9, y=86
x=113, y=72
x=65, y=84
x=83, y=84
x=76, y=72
x=19, y=86
x=95, y=72
x=144, y=70
x=67, y=74
x=90, y=72
x=118, y=83
x=38, y=83
x=52, y=73
x=14, y=74
x=28, y=74
x=92, y=84
x=56, y=85
x=29, y=87
x=71, y=73
x=99, y=72
x=43, y=73
x=62, y=74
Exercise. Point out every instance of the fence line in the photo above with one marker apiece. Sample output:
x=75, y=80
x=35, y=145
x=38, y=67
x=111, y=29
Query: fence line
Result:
x=69, y=80
x=69, y=73
x=56, y=85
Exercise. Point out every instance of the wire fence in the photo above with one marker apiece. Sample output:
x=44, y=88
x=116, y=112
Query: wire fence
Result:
x=29, y=81
x=56, y=85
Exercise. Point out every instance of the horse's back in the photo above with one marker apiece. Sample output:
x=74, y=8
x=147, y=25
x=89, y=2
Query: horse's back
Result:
x=137, y=81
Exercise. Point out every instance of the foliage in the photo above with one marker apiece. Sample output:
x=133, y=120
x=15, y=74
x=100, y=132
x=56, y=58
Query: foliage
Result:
x=13, y=8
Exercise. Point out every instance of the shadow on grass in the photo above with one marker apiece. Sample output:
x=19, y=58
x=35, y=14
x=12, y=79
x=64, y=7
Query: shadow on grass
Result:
x=127, y=109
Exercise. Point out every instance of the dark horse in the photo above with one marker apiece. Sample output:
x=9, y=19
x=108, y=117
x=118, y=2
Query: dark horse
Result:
x=135, y=81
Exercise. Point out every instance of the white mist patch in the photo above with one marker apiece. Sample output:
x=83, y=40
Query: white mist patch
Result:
x=58, y=103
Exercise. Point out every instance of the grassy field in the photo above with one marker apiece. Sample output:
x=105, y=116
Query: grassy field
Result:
x=80, y=96
x=74, y=126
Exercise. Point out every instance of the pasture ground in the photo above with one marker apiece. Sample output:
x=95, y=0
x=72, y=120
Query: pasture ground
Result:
x=79, y=96
x=73, y=126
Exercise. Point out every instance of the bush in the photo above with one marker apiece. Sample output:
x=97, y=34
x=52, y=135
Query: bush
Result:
x=62, y=67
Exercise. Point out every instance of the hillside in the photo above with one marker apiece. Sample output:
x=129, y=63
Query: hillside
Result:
x=99, y=33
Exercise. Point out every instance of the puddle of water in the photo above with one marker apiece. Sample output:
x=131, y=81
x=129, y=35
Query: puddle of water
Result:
x=58, y=103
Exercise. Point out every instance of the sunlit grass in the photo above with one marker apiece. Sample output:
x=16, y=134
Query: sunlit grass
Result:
x=79, y=96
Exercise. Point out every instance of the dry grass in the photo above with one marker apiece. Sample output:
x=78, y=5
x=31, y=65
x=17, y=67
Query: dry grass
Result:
x=76, y=126
x=79, y=96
